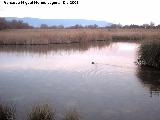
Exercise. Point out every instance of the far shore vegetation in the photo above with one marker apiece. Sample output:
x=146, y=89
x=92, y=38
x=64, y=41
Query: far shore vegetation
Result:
x=19, y=33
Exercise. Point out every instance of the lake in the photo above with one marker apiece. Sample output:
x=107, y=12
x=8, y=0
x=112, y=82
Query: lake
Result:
x=62, y=75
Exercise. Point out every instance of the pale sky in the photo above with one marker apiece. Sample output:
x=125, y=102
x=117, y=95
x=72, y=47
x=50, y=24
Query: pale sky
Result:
x=115, y=11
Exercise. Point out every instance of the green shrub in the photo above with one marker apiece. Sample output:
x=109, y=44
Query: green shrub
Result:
x=149, y=54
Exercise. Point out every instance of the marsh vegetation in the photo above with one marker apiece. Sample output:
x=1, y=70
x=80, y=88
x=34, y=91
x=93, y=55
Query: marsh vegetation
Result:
x=149, y=54
x=57, y=36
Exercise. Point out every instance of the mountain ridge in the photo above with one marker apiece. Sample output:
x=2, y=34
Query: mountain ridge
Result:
x=36, y=22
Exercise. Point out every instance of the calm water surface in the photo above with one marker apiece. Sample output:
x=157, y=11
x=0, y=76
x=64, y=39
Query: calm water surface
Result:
x=113, y=88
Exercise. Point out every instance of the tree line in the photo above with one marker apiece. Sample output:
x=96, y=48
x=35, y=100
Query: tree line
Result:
x=19, y=24
x=13, y=24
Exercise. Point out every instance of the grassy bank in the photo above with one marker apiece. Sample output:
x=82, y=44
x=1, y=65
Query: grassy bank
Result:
x=57, y=36
x=149, y=54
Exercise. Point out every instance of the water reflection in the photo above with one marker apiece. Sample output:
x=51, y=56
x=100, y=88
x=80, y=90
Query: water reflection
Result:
x=150, y=78
x=68, y=57
x=64, y=76
x=44, y=49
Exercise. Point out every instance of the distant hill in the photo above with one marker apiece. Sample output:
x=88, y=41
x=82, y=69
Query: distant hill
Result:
x=36, y=22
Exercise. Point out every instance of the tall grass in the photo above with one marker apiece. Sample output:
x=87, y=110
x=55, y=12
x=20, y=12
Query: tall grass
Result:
x=7, y=112
x=49, y=36
x=42, y=112
x=149, y=54
x=56, y=36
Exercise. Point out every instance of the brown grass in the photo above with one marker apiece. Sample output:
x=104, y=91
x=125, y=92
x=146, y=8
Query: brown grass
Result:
x=56, y=36
x=42, y=112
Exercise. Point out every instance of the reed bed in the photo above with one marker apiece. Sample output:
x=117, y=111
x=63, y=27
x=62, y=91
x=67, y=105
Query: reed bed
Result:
x=149, y=54
x=49, y=36
x=135, y=34
x=58, y=36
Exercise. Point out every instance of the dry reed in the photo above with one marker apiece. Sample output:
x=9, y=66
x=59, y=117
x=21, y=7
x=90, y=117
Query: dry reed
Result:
x=42, y=112
x=49, y=36
x=56, y=36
